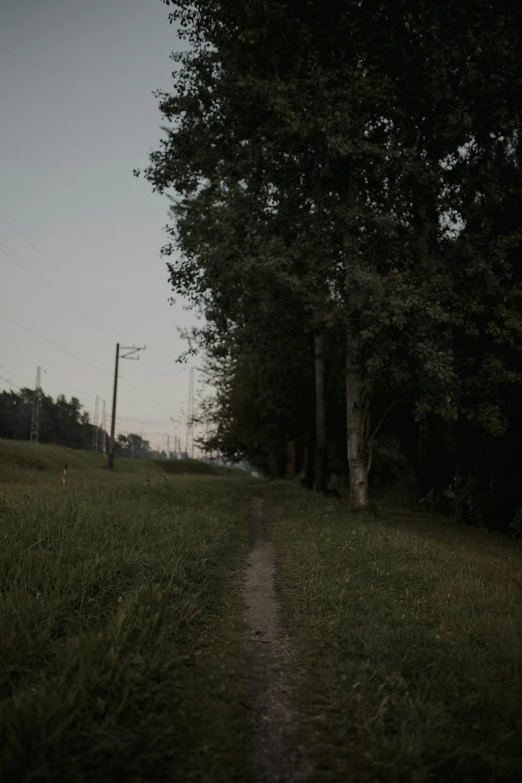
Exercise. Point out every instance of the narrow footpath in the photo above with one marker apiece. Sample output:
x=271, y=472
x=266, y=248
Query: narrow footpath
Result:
x=274, y=755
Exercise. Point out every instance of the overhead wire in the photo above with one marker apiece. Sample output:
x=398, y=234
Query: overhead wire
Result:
x=55, y=345
x=12, y=255
x=69, y=353
x=18, y=260
x=54, y=264
x=7, y=380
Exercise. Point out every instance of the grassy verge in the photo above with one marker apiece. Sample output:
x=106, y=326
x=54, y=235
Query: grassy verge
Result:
x=120, y=629
x=23, y=462
x=408, y=643
x=193, y=466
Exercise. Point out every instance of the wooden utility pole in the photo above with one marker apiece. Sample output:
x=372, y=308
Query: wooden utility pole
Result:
x=129, y=355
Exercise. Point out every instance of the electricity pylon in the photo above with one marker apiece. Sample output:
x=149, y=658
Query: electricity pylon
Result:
x=35, y=417
x=95, y=427
x=189, y=436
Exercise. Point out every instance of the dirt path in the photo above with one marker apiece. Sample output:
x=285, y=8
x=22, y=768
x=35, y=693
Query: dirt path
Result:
x=274, y=755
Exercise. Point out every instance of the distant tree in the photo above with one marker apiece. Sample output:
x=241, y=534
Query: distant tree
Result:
x=133, y=446
x=63, y=421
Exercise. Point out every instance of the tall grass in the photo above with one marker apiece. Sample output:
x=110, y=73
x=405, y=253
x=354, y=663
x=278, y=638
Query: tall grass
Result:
x=409, y=644
x=120, y=652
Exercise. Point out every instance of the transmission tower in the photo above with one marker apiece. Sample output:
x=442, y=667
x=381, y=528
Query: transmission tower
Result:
x=96, y=428
x=35, y=418
x=193, y=407
x=189, y=437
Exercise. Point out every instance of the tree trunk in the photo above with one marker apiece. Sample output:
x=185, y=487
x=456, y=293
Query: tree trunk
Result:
x=290, y=460
x=321, y=476
x=309, y=476
x=355, y=425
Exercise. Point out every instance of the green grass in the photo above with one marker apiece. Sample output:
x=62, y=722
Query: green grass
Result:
x=408, y=638
x=193, y=466
x=20, y=460
x=121, y=652
x=120, y=622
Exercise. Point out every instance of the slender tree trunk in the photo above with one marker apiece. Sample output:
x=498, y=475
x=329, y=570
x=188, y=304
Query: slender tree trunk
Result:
x=309, y=476
x=355, y=425
x=290, y=460
x=356, y=430
x=321, y=477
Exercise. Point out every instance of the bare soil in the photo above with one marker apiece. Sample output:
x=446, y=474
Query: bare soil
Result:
x=274, y=753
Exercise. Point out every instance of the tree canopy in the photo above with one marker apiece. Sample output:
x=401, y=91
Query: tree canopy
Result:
x=347, y=176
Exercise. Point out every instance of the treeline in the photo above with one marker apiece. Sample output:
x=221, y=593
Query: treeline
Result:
x=347, y=213
x=135, y=447
x=65, y=423
x=61, y=421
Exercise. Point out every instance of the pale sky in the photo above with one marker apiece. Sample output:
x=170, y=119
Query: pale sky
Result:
x=77, y=115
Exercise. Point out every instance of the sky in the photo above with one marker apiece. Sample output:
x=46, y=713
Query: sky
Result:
x=80, y=236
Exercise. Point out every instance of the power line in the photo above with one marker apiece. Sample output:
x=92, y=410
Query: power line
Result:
x=40, y=253
x=52, y=263
x=2, y=378
x=15, y=258
x=55, y=345
x=140, y=419
x=4, y=368
x=85, y=361
x=12, y=256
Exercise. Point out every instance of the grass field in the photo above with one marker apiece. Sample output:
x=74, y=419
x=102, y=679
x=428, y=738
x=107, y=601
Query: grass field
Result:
x=120, y=622
x=122, y=651
x=22, y=462
x=408, y=636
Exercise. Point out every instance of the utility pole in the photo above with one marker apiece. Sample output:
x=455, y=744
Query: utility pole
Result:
x=129, y=355
x=168, y=446
x=35, y=417
x=95, y=429
x=103, y=429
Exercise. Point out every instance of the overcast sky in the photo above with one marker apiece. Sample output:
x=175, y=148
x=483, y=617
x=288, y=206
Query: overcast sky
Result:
x=77, y=115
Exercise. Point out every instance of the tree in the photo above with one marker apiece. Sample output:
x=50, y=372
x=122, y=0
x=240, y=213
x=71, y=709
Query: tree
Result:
x=317, y=153
x=61, y=421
